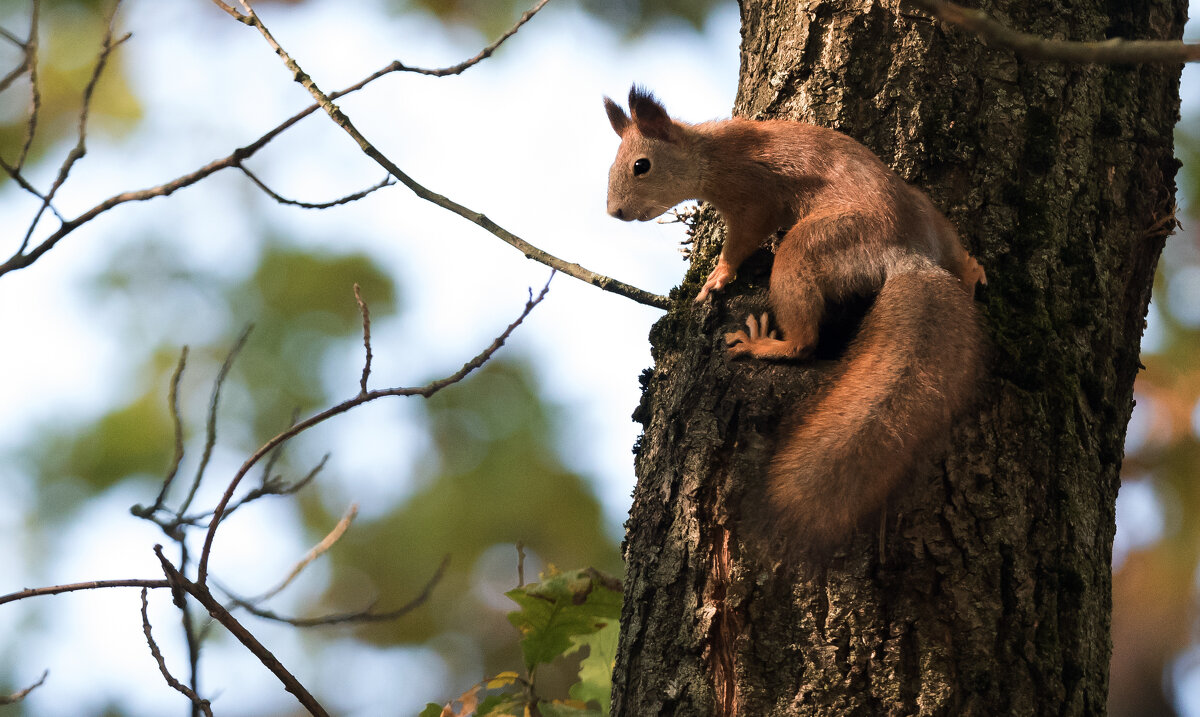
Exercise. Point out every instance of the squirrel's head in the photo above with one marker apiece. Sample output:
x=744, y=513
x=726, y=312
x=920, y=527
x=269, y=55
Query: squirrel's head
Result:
x=656, y=165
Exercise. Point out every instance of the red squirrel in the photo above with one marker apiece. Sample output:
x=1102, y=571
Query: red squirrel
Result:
x=853, y=227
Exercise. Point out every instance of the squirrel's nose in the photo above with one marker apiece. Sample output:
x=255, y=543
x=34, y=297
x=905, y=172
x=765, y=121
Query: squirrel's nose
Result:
x=618, y=213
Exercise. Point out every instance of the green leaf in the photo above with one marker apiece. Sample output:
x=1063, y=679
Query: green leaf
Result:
x=595, y=670
x=560, y=608
x=502, y=705
x=431, y=710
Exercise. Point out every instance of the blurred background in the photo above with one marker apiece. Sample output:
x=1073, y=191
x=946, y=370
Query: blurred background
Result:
x=534, y=448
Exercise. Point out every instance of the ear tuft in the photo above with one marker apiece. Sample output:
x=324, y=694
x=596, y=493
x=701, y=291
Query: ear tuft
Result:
x=650, y=116
x=616, y=116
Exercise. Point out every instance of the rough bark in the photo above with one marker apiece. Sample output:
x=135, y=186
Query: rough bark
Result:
x=985, y=587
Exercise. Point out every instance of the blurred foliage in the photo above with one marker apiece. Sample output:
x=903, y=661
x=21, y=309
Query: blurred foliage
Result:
x=492, y=476
x=558, y=616
x=494, y=480
x=301, y=306
x=69, y=40
x=70, y=33
x=629, y=17
x=1154, y=584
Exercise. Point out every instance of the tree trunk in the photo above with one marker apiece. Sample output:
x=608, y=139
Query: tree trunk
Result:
x=984, y=588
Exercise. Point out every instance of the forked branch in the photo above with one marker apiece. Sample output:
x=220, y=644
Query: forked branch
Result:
x=362, y=397
x=1112, y=51
x=478, y=218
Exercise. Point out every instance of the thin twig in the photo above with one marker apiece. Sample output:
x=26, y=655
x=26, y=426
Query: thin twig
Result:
x=530, y=251
x=26, y=55
x=231, y=10
x=177, y=423
x=235, y=628
x=72, y=587
x=269, y=466
x=1113, y=51
x=210, y=433
x=366, y=317
x=520, y=563
x=191, y=638
x=387, y=182
x=275, y=486
x=80, y=149
x=347, y=617
x=22, y=694
x=35, y=94
x=234, y=159
x=317, y=551
x=483, y=54
x=12, y=38
x=14, y=74
x=23, y=260
x=162, y=663
x=24, y=184
x=425, y=391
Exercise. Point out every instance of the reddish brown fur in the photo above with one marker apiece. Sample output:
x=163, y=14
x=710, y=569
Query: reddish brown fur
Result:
x=854, y=228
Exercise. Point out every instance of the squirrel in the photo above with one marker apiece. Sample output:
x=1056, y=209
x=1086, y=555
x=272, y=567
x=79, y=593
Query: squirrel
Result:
x=853, y=228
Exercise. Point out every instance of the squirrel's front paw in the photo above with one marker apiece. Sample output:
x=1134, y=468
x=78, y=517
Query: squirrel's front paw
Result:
x=717, y=279
x=741, y=342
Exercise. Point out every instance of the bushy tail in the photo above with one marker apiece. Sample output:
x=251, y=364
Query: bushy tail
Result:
x=914, y=364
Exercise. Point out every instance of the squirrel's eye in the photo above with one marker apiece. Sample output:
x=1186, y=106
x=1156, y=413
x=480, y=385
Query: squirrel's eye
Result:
x=641, y=166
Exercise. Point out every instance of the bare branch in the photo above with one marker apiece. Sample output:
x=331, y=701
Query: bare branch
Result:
x=366, y=316
x=317, y=551
x=269, y=466
x=235, y=628
x=190, y=636
x=387, y=182
x=520, y=563
x=1113, y=51
x=22, y=260
x=483, y=54
x=24, y=184
x=35, y=98
x=270, y=486
x=426, y=391
x=232, y=11
x=162, y=664
x=27, y=60
x=210, y=439
x=12, y=38
x=80, y=149
x=14, y=74
x=177, y=423
x=530, y=251
x=22, y=694
x=93, y=585
x=347, y=617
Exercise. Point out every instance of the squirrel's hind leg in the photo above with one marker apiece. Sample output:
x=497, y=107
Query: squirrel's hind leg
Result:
x=761, y=341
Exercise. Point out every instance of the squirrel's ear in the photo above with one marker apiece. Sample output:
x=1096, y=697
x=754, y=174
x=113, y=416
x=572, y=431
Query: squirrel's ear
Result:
x=650, y=116
x=616, y=116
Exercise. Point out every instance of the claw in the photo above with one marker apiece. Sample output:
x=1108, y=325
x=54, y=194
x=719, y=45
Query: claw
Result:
x=717, y=279
x=757, y=329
